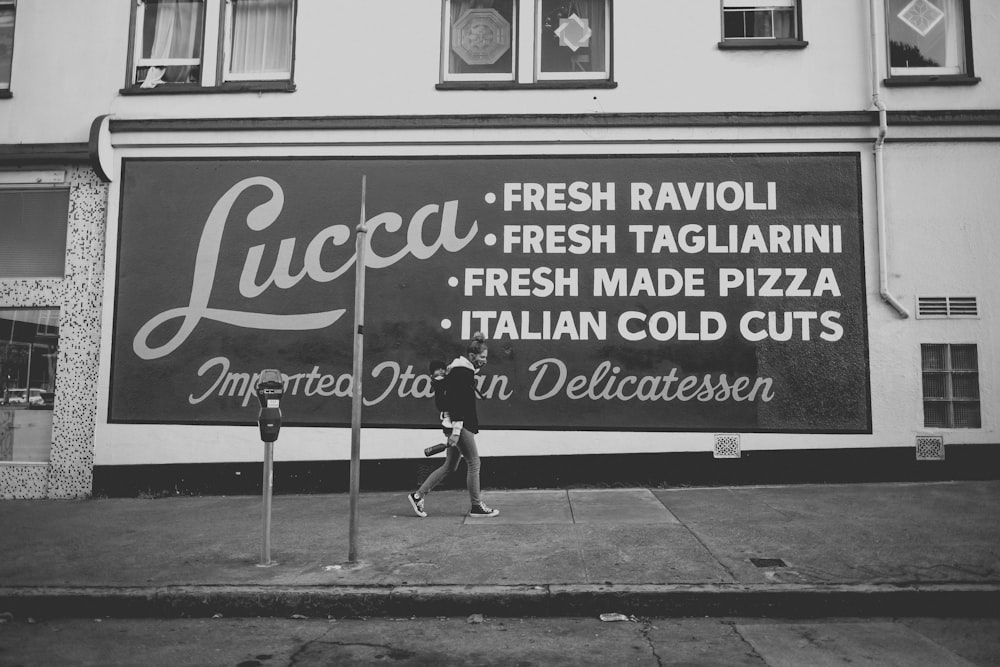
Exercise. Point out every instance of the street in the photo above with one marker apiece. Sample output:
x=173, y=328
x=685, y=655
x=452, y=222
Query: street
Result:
x=474, y=640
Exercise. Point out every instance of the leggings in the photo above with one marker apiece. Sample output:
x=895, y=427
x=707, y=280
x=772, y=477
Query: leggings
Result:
x=467, y=448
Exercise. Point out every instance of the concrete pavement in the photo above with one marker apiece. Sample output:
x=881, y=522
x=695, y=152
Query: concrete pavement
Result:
x=904, y=549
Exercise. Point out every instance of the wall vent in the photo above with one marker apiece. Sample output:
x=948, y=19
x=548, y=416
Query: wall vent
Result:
x=947, y=306
x=727, y=446
x=930, y=448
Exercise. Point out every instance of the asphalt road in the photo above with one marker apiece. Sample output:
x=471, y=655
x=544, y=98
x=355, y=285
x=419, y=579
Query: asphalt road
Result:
x=277, y=642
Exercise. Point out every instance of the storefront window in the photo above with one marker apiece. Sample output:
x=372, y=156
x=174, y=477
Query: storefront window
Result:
x=29, y=343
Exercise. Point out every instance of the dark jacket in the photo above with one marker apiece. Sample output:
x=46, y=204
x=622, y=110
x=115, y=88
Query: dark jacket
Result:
x=461, y=394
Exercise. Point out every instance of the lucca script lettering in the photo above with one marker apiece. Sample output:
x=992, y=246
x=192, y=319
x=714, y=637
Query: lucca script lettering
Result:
x=263, y=216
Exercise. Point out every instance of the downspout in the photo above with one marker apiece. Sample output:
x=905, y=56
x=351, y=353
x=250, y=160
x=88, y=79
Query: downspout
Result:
x=878, y=150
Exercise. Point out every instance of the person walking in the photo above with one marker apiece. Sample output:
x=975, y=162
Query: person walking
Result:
x=461, y=424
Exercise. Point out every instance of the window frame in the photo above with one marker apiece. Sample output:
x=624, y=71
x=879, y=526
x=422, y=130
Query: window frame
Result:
x=948, y=374
x=797, y=41
x=53, y=184
x=136, y=43
x=34, y=347
x=224, y=75
x=213, y=76
x=484, y=77
x=917, y=76
x=5, y=87
x=526, y=65
x=541, y=76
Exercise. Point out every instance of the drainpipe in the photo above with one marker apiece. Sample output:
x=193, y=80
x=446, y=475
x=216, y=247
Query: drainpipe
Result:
x=878, y=150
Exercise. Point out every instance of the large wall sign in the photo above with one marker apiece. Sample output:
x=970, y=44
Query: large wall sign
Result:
x=691, y=293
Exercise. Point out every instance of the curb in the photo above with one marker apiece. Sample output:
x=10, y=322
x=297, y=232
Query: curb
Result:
x=784, y=601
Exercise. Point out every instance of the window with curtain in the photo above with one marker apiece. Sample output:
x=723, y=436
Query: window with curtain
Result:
x=259, y=39
x=7, y=11
x=254, y=42
x=927, y=37
x=168, y=42
x=480, y=40
x=753, y=19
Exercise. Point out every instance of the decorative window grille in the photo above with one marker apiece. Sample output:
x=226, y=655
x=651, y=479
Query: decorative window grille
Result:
x=951, y=386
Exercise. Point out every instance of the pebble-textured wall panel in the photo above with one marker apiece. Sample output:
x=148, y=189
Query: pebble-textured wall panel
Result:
x=24, y=480
x=78, y=296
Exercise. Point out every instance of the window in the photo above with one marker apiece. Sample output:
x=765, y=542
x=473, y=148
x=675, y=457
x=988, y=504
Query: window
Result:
x=29, y=348
x=571, y=41
x=7, y=10
x=951, y=386
x=258, y=40
x=173, y=46
x=761, y=23
x=168, y=42
x=929, y=38
x=33, y=228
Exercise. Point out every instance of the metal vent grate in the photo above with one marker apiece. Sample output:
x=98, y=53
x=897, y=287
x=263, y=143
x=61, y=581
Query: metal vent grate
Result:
x=947, y=306
x=930, y=448
x=727, y=446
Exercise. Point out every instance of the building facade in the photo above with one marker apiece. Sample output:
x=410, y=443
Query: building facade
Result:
x=685, y=227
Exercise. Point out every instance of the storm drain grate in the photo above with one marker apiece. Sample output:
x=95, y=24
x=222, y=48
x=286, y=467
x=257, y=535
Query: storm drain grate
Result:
x=768, y=562
x=930, y=448
x=727, y=446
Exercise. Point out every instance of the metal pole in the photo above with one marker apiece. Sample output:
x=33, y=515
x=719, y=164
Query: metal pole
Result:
x=265, y=545
x=356, y=398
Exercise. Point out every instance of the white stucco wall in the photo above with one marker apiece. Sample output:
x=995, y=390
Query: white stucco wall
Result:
x=383, y=58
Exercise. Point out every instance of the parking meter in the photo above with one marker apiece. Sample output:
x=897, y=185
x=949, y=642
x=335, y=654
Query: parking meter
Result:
x=270, y=388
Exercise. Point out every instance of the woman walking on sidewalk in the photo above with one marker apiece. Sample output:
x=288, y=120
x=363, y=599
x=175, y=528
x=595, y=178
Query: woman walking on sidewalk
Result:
x=461, y=425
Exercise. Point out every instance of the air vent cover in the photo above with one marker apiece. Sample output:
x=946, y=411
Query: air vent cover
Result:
x=930, y=448
x=727, y=446
x=947, y=306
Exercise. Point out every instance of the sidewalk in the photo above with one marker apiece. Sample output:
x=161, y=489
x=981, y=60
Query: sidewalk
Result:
x=790, y=551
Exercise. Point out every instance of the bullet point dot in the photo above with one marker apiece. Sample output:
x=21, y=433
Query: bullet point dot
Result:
x=490, y=197
x=453, y=282
x=490, y=239
x=445, y=323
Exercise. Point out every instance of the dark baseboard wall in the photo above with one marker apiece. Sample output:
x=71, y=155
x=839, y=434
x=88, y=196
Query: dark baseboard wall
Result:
x=836, y=466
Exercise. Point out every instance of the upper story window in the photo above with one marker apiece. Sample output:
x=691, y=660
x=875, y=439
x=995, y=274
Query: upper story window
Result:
x=204, y=43
x=258, y=40
x=7, y=10
x=485, y=41
x=929, y=39
x=761, y=24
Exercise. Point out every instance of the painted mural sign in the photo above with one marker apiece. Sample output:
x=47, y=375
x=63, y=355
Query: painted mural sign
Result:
x=685, y=293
